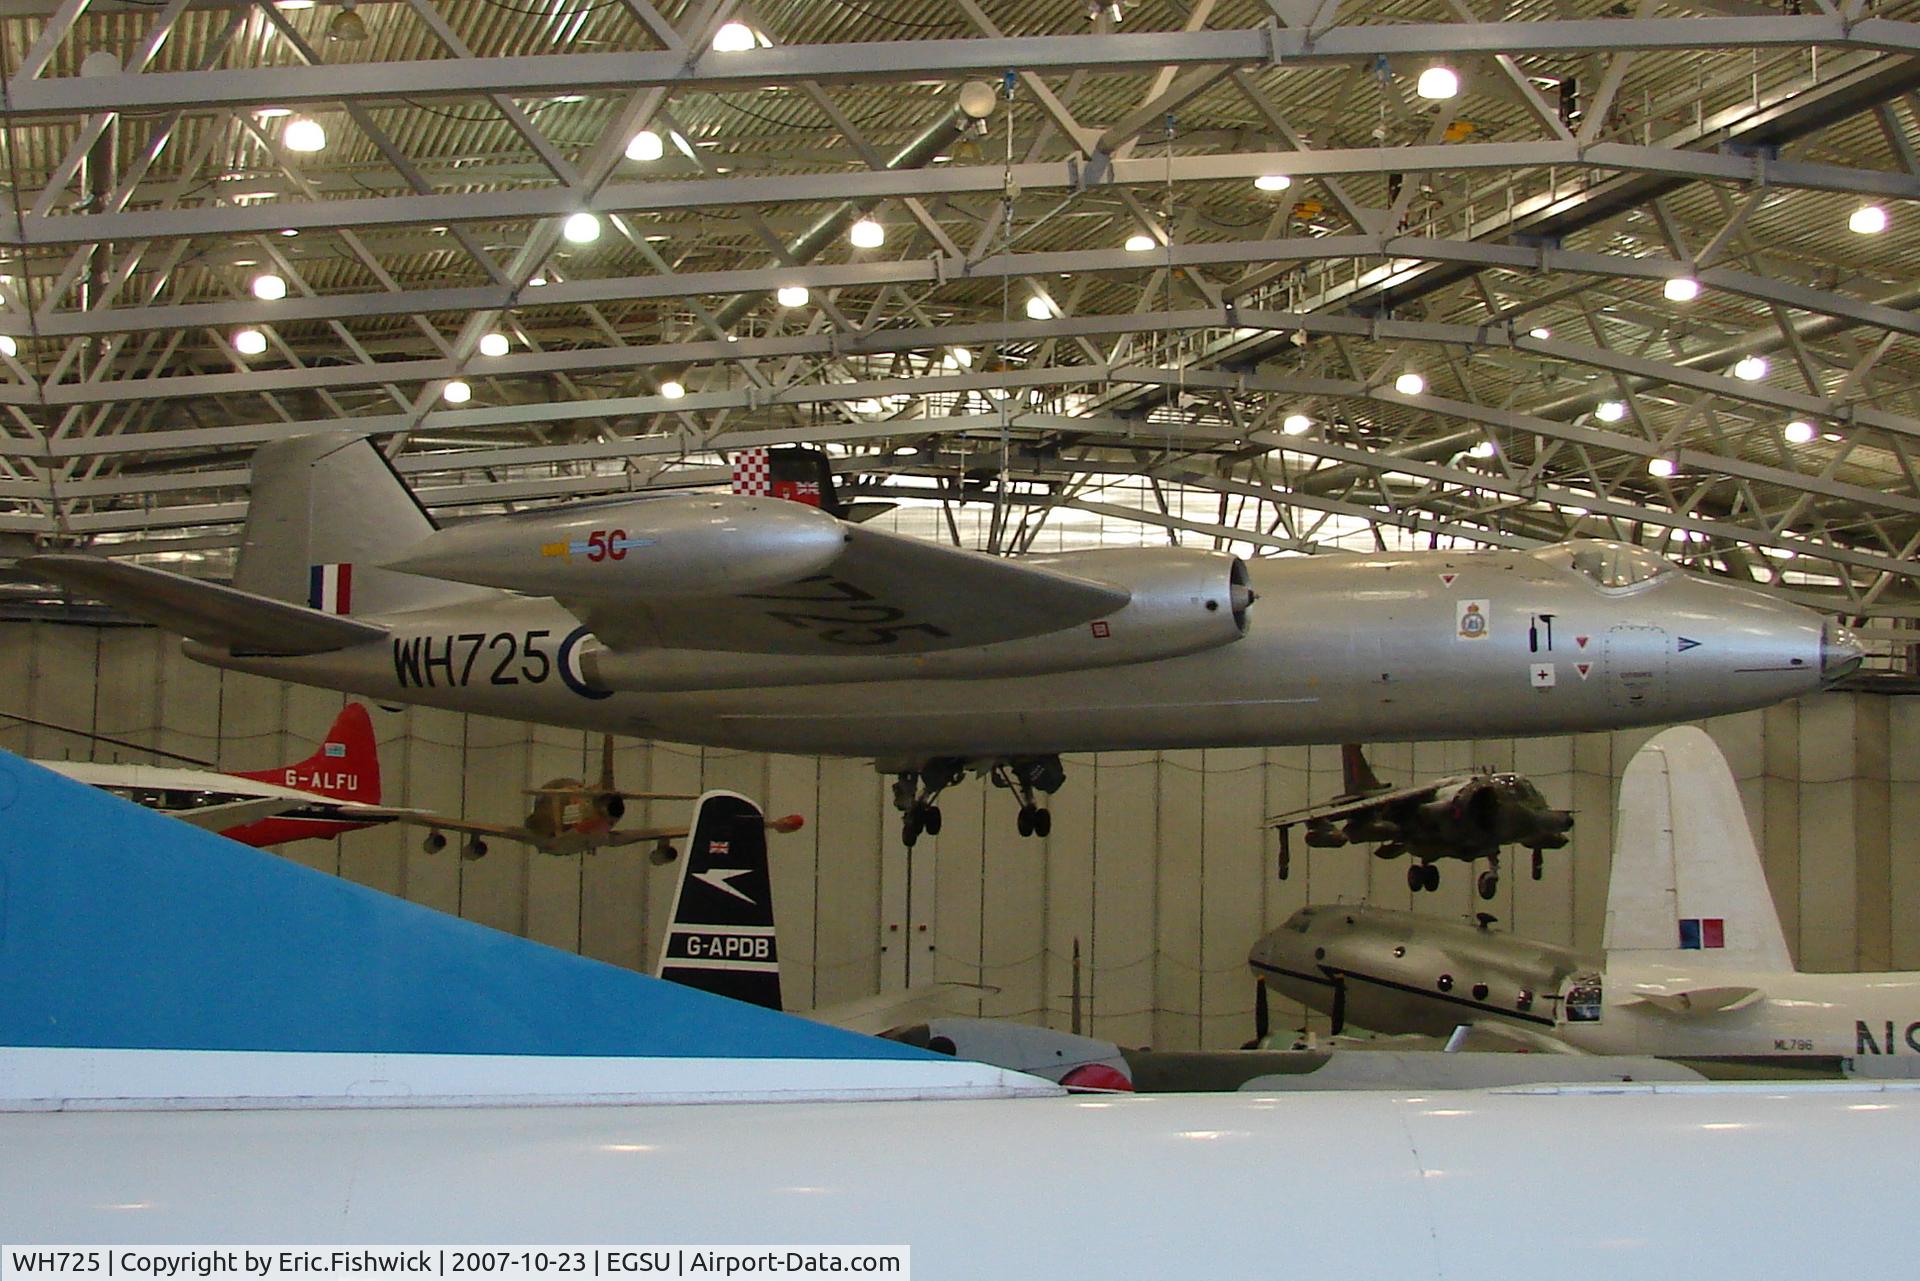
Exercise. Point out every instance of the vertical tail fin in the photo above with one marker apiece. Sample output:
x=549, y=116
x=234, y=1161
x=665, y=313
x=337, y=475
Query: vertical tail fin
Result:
x=327, y=510
x=797, y=473
x=1357, y=775
x=346, y=765
x=721, y=936
x=1687, y=885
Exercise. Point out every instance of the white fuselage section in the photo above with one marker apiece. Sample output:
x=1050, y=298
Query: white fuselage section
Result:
x=1387, y=647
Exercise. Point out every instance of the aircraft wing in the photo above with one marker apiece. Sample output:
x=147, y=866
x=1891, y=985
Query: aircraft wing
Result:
x=886, y=1010
x=1346, y=806
x=884, y=594
x=218, y=818
x=202, y=611
x=470, y=827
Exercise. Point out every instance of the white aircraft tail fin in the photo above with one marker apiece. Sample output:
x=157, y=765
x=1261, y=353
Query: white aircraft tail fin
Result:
x=1687, y=885
x=327, y=510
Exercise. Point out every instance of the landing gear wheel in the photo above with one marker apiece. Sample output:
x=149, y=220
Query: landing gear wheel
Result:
x=911, y=826
x=1431, y=875
x=931, y=820
x=1023, y=822
x=1539, y=864
x=1488, y=884
x=1416, y=877
x=1043, y=823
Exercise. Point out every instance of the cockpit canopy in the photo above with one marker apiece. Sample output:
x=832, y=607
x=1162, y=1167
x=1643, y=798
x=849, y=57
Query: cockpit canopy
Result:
x=1610, y=564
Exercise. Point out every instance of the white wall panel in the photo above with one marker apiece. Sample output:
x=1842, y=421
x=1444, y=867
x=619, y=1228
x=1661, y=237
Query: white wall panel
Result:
x=1157, y=865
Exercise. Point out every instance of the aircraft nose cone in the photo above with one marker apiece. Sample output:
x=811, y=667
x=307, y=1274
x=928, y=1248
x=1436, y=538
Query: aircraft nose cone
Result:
x=1840, y=651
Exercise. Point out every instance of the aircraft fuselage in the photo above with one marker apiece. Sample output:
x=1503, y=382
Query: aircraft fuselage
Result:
x=1364, y=648
x=1406, y=973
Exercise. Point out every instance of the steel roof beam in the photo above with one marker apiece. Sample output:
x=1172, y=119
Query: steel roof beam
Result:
x=856, y=61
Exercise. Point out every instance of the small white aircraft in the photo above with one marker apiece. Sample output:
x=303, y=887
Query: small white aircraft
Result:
x=1695, y=964
x=333, y=791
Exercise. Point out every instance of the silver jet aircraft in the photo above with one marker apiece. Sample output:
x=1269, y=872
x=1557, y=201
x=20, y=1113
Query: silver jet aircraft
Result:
x=1695, y=965
x=749, y=622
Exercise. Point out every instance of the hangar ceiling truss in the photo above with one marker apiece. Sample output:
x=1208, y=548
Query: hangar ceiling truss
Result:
x=1155, y=261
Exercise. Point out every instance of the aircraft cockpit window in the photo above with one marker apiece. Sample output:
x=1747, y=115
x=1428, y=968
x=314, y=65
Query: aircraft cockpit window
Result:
x=1583, y=1001
x=1614, y=565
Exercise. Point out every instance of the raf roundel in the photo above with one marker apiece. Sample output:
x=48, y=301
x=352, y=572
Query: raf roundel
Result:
x=568, y=663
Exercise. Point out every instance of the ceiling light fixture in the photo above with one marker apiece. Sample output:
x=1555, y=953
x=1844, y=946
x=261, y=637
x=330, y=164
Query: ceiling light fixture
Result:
x=457, y=392
x=1799, y=432
x=1867, y=220
x=1139, y=242
x=792, y=296
x=1681, y=289
x=249, y=342
x=1409, y=384
x=347, y=25
x=645, y=145
x=1751, y=369
x=1296, y=424
x=581, y=228
x=302, y=134
x=673, y=390
x=1662, y=467
x=1272, y=182
x=495, y=344
x=1541, y=332
x=1610, y=411
x=1436, y=83
x=867, y=234
x=733, y=37
x=268, y=287
x=8, y=347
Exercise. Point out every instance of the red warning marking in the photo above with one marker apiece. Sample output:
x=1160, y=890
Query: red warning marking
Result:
x=1583, y=669
x=1447, y=579
x=1581, y=641
x=1101, y=629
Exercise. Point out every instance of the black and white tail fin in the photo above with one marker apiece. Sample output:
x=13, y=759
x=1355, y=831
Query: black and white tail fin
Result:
x=797, y=473
x=326, y=511
x=1688, y=888
x=720, y=938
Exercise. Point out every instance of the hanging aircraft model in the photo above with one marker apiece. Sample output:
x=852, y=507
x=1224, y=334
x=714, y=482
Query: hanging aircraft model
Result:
x=1463, y=816
x=569, y=816
x=1695, y=965
x=747, y=621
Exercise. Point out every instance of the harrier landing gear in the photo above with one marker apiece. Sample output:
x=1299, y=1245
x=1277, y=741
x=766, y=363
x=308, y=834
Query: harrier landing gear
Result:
x=1487, y=884
x=1423, y=876
x=1539, y=864
x=916, y=793
x=1026, y=775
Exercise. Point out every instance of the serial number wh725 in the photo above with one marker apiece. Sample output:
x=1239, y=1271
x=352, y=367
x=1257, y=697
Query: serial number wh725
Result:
x=473, y=658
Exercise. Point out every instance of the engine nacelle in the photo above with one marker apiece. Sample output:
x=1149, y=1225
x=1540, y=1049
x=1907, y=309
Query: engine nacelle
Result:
x=1182, y=601
x=672, y=545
